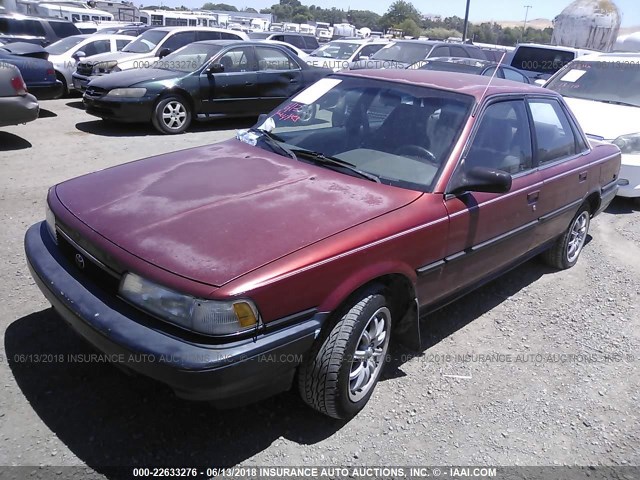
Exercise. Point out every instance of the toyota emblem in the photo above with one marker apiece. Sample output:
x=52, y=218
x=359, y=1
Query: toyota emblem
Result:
x=80, y=261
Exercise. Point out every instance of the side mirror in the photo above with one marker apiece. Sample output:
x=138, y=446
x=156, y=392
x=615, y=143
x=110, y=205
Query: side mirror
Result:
x=481, y=179
x=215, y=68
x=78, y=55
x=164, y=52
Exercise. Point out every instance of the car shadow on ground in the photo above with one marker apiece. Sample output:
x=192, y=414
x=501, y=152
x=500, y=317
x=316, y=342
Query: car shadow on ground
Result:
x=622, y=205
x=76, y=104
x=9, y=141
x=439, y=325
x=107, y=128
x=108, y=418
x=46, y=114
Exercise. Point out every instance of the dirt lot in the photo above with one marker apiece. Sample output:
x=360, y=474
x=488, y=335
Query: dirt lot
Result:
x=537, y=368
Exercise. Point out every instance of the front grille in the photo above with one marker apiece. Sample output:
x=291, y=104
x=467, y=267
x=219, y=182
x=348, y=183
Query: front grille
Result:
x=86, y=268
x=95, y=92
x=85, y=69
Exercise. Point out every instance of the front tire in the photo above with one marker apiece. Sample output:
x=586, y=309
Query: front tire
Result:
x=566, y=250
x=172, y=115
x=344, y=365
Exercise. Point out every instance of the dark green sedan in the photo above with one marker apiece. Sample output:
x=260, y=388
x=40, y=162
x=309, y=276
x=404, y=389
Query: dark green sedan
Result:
x=203, y=80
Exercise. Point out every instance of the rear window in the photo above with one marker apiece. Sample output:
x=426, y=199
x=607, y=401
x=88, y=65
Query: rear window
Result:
x=23, y=27
x=541, y=60
x=64, y=29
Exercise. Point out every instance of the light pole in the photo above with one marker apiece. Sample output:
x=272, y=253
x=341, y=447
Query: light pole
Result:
x=466, y=23
x=526, y=15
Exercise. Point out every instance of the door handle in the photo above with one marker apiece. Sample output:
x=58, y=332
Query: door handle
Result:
x=249, y=84
x=583, y=176
x=533, y=197
x=293, y=80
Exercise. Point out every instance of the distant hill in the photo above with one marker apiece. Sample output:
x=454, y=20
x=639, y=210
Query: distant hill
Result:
x=539, y=23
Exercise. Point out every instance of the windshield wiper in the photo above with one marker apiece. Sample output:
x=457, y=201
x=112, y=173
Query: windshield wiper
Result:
x=615, y=102
x=274, y=141
x=322, y=159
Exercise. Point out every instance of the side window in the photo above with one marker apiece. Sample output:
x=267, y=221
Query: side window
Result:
x=503, y=139
x=440, y=52
x=120, y=44
x=93, y=48
x=311, y=43
x=179, y=40
x=209, y=36
x=369, y=50
x=274, y=60
x=295, y=40
x=229, y=36
x=279, y=38
x=514, y=75
x=238, y=60
x=458, y=52
x=553, y=131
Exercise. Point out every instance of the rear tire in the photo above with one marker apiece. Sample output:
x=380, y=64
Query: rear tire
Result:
x=344, y=365
x=566, y=250
x=172, y=115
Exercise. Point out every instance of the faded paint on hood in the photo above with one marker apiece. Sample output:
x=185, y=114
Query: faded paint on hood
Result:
x=215, y=213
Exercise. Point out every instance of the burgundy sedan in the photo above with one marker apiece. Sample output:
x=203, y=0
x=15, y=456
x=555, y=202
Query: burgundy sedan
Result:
x=298, y=251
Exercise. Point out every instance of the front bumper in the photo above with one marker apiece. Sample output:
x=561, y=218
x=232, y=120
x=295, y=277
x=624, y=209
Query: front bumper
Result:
x=228, y=374
x=19, y=109
x=80, y=82
x=629, y=178
x=46, y=91
x=129, y=110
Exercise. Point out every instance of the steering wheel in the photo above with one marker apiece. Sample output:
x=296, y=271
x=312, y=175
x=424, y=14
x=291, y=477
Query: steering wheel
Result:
x=417, y=151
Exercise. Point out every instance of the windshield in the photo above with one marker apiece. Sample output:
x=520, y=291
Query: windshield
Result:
x=338, y=51
x=403, y=52
x=615, y=82
x=64, y=45
x=401, y=135
x=189, y=58
x=146, y=42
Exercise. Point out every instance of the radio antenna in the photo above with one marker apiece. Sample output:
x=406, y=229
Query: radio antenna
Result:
x=495, y=72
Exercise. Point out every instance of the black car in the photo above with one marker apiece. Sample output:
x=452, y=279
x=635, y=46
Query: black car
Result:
x=400, y=54
x=40, y=30
x=306, y=43
x=204, y=80
x=471, y=66
x=38, y=74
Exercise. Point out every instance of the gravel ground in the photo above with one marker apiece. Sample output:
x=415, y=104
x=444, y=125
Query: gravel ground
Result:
x=537, y=368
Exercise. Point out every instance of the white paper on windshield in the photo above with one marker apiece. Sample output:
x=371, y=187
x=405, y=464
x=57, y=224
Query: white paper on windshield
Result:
x=315, y=91
x=573, y=76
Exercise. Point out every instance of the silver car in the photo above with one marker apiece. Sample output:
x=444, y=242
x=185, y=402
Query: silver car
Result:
x=16, y=104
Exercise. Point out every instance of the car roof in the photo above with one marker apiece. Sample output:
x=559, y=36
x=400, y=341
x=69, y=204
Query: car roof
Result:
x=474, y=85
x=20, y=16
x=188, y=29
x=619, y=57
x=556, y=47
x=226, y=43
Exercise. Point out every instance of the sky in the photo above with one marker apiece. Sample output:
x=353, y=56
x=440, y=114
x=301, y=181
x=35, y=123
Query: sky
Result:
x=480, y=9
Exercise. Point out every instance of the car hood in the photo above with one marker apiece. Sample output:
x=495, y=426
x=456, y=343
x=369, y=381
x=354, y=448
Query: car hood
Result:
x=214, y=213
x=605, y=119
x=129, y=78
x=117, y=56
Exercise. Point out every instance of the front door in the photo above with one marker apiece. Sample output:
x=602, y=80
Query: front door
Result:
x=234, y=90
x=279, y=77
x=489, y=231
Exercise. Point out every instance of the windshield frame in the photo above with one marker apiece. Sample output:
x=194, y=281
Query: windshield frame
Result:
x=469, y=102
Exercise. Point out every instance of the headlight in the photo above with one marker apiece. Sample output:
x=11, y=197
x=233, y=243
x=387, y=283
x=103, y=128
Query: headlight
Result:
x=104, y=67
x=51, y=222
x=628, y=143
x=127, y=92
x=210, y=317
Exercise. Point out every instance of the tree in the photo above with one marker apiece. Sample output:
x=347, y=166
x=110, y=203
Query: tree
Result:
x=410, y=28
x=249, y=10
x=398, y=12
x=219, y=6
x=365, y=18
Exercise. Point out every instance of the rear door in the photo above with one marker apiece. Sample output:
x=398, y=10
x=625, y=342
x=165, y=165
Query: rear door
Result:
x=279, y=76
x=559, y=151
x=234, y=91
x=489, y=231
